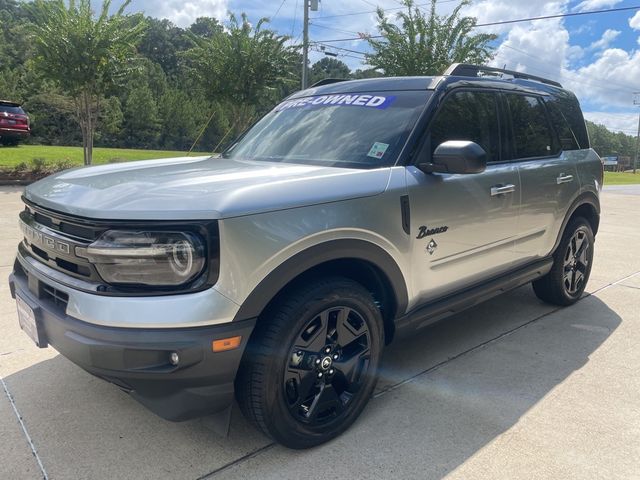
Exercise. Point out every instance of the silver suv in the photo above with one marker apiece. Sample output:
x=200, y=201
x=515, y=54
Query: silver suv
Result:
x=353, y=213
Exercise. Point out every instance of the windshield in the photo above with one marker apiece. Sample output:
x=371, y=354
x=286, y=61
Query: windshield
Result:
x=11, y=109
x=342, y=130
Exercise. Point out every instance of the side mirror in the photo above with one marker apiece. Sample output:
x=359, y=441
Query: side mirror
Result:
x=457, y=156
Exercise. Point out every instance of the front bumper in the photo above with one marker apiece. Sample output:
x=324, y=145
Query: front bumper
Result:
x=137, y=359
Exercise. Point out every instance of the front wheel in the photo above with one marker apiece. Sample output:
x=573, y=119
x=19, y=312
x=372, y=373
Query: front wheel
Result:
x=310, y=367
x=567, y=279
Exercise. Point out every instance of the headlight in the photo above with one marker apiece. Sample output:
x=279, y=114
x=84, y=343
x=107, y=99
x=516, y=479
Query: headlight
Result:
x=147, y=258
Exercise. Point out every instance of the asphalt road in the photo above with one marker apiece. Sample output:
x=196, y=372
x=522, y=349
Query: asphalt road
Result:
x=510, y=389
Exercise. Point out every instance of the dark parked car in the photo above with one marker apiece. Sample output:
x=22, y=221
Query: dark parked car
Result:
x=14, y=123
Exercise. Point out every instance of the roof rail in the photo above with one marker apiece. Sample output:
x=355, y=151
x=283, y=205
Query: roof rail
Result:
x=9, y=103
x=328, y=81
x=467, y=70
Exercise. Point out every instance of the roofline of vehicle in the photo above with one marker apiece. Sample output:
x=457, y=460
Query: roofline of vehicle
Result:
x=9, y=103
x=479, y=71
x=457, y=72
x=430, y=83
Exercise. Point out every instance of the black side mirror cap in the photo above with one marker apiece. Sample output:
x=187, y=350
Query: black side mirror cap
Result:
x=457, y=156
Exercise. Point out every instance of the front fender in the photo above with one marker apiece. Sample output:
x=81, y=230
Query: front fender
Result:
x=316, y=255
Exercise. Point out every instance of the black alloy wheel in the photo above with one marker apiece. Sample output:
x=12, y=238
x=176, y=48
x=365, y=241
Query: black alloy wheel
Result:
x=311, y=364
x=327, y=364
x=572, y=262
x=576, y=262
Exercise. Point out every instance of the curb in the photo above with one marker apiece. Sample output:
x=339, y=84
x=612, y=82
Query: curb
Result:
x=15, y=183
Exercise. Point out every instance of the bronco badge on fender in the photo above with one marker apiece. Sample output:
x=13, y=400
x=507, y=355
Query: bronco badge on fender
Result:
x=425, y=231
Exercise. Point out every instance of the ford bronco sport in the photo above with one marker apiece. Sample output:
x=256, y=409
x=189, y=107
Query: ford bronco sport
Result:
x=352, y=213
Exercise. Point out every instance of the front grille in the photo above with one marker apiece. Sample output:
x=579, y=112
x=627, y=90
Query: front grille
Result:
x=52, y=239
x=41, y=288
x=64, y=224
x=59, y=298
x=59, y=241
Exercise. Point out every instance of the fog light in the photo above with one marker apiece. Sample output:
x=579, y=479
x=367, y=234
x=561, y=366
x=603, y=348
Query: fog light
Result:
x=174, y=358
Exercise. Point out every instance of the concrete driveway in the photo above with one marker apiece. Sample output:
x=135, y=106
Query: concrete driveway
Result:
x=511, y=389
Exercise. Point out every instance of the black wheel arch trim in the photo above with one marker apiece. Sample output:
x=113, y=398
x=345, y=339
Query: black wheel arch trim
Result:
x=585, y=198
x=344, y=249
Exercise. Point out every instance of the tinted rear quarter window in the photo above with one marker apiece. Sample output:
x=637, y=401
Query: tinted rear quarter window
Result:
x=565, y=105
x=471, y=116
x=531, y=131
x=568, y=140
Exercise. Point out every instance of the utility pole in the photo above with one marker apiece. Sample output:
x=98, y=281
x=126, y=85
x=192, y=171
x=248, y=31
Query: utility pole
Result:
x=313, y=6
x=305, y=44
x=636, y=102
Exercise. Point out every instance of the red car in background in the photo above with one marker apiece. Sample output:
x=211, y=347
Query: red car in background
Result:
x=14, y=123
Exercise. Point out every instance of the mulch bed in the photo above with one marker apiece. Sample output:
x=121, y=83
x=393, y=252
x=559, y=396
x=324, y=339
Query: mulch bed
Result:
x=8, y=177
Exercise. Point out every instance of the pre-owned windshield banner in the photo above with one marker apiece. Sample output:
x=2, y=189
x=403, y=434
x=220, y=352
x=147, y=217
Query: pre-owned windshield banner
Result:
x=368, y=101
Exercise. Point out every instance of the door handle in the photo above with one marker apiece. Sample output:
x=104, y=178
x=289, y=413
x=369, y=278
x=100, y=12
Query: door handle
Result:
x=502, y=189
x=564, y=178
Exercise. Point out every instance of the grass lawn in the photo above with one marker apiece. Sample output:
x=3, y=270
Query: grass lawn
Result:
x=621, y=178
x=12, y=156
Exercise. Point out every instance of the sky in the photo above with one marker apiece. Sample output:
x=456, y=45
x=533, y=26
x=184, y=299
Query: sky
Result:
x=597, y=56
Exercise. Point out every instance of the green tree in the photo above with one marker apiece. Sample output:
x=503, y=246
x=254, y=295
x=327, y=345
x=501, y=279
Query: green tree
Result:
x=328, y=67
x=242, y=69
x=366, y=73
x=49, y=113
x=84, y=54
x=110, y=121
x=422, y=44
x=182, y=116
x=206, y=27
x=141, y=120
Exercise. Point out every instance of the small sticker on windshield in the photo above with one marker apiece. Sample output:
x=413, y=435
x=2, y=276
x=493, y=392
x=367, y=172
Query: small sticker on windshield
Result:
x=378, y=150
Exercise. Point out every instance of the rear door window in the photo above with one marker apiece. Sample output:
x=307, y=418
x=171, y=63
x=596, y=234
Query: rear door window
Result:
x=532, y=134
x=472, y=116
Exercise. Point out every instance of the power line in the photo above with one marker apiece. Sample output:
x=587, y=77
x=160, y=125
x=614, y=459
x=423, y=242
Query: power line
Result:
x=319, y=49
x=350, y=32
x=369, y=3
x=341, y=48
x=559, y=15
x=295, y=14
x=605, y=84
x=350, y=56
x=375, y=11
x=505, y=22
x=277, y=11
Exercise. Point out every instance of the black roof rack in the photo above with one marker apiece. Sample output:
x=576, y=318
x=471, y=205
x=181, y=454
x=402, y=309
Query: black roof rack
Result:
x=467, y=70
x=328, y=81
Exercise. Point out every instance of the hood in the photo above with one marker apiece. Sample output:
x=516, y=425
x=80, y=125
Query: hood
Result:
x=198, y=188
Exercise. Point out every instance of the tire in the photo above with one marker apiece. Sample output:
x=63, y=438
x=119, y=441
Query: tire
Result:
x=573, y=259
x=311, y=364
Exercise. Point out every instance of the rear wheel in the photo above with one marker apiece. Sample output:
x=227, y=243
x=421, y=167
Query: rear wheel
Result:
x=310, y=367
x=566, y=281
